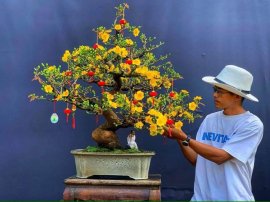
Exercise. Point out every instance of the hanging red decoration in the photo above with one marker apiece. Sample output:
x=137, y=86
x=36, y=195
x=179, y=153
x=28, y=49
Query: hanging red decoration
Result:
x=67, y=111
x=135, y=101
x=68, y=73
x=73, y=121
x=122, y=21
x=90, y=73
x=153, y=94
x=102, y=84
x=172, y=94
x=129, y=61
x=95, y=46
x=170, y=122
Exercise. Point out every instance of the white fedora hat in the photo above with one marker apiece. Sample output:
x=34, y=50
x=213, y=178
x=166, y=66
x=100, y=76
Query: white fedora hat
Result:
x=234, y=79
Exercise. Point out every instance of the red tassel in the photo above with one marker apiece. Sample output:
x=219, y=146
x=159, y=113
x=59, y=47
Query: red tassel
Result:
x=73, y=122
x=153, y=101
x=170, y=132
x=67, y=118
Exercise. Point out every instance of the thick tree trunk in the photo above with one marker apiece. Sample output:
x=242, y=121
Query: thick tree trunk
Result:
x=105, y=135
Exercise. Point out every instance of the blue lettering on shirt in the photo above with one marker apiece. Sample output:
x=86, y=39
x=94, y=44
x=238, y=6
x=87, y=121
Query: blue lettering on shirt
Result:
x=215, y=137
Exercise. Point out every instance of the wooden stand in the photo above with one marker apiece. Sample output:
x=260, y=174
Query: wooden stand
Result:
x=113, y=189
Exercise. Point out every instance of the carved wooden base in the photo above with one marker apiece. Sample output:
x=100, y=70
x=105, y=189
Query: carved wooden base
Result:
x=113, y=189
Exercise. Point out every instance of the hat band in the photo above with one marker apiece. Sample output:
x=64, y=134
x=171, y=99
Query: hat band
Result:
x=243, y=91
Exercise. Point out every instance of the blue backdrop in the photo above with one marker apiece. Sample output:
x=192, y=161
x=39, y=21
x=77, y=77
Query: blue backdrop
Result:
x=202, y=37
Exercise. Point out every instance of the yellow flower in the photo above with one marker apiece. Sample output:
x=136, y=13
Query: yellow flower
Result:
x=138, y=109
x=136, y=61
x=98, y=57
x=139, y=95
x=154, y=82
x=148, y=119
x=123, y=53
x=126, y=68
x=153, y=129
x=117, y=27
x=138, y=125
x=154, y=112
x=129, y=42
x=161, y=120
x=113, y=104
x=58, y=97
x=83, y=73
x=104, y=36
x=197, y=98
x=136, y=32
x=185, y=92
x=48, y=89
x=192, y=106
x=66, y=56
x=179, y=124
x=109, y=96
x=65, y=93
x=167, y=84
x=51, y=68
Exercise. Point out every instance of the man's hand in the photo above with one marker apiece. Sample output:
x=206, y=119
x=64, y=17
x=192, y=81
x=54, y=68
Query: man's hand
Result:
x=173, y=133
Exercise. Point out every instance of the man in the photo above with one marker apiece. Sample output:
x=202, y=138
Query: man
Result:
x=226, y=142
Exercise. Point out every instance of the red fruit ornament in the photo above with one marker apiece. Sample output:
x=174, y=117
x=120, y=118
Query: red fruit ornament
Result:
x=102, y=84
x=170, y=122
x=95, y=46
x=67, y=111
x=68, y=73
x=122, y=21
x=172, y=94
x=128, y=61
x=91, y=73
x=135, y=102
x=153, y=94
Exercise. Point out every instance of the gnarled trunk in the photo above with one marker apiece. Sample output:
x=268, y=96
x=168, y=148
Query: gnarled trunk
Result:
x=105, y=135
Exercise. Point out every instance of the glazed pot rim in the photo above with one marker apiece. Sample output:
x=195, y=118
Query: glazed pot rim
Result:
x=82, y=152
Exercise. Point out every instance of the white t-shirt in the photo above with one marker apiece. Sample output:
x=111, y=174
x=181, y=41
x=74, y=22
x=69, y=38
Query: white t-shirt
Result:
x=239, y=135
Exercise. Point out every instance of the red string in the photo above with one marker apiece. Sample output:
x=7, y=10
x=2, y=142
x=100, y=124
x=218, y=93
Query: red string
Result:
x=54, y=106
x=73, y=122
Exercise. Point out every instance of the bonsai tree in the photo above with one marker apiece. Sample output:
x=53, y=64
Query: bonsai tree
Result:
x=121, y=78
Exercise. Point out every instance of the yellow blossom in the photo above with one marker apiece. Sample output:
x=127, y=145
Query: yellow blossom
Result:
x=51, y=68
x=153, y=129
x=184, y=92
x=117, y=27
x=179, y=124
x=58, y=97
x=66, y=56
x=109, y=96
x=167, y=84
x=197, y=98
x=113, y=104
x=138, y=125
x=192, y=106
x=98, y=57
x=48, y=89
x=148, y=119
x=136, y=61
x=161, y=120
x=123, y=53
x=136, y=32
x=139, y=95
x=138, y=109
x=154, y=112
x=83, y=73
x=104, y=36
x=129, y=42
x=65, y=93
x=126, y=68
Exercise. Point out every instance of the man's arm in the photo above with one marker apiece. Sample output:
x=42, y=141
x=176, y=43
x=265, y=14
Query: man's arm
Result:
x=211, y=153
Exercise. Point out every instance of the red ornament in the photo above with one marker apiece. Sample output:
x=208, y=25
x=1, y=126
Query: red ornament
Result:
x=172, y=94
x=68, y=73
x=95, y=46
x=135, y=102
x=67, y=111
x=153, y=94
x=128, y=61
x=91, y=73
x=170, y=122
x=101, y=83
x=122, y=21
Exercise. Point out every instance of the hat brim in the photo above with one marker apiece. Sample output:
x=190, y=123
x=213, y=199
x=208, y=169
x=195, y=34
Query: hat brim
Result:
x=211, y=80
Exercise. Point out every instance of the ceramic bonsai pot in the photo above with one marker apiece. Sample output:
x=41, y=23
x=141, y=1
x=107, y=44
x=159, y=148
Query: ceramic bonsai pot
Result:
x=133, y=165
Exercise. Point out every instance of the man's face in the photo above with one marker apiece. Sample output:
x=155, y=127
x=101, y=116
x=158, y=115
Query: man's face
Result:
x=223, y=99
